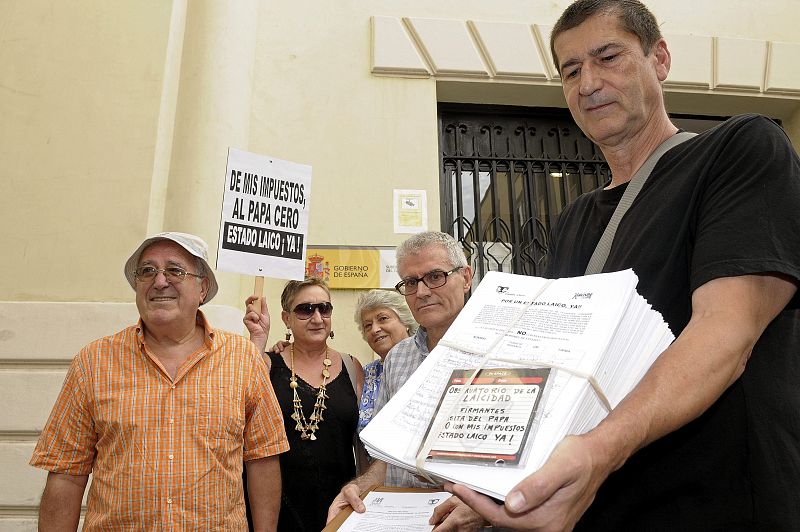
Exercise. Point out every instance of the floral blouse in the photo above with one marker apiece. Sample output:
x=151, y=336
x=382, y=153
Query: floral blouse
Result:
x=372, y=382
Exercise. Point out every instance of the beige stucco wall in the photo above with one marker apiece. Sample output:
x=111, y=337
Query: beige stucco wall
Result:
x=116, y=117
x=79, y=93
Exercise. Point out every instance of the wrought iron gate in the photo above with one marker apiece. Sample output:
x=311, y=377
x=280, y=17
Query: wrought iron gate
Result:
x=506, y=174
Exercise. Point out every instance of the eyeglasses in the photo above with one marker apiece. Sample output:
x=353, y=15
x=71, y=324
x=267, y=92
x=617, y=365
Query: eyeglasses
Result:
x=304, y=311
x=433, y=279
x=174, y=274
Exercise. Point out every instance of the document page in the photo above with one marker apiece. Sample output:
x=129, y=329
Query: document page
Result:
x=395, y=512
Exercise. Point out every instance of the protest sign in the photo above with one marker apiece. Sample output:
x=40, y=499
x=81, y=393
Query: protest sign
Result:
x=264, y=219
x=492, y=419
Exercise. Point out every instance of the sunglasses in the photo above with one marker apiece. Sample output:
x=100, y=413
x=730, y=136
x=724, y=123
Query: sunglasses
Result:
x=304, y=311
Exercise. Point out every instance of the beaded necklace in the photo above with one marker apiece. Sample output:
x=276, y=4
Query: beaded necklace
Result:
x=307, y=428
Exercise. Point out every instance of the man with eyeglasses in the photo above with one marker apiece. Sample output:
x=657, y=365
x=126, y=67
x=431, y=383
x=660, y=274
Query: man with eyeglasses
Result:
x=163, y=413
x=435, y=279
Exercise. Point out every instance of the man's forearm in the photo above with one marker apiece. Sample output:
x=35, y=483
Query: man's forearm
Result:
x=374, y=476
x=350, y=495
x=710, y=354
x=60, y=508
x=264, y=492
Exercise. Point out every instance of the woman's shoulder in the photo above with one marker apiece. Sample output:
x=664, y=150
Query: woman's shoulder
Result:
x=373, y=371
x=372, y=366
x=345, y=357
x=275, y=361
x=350, y=365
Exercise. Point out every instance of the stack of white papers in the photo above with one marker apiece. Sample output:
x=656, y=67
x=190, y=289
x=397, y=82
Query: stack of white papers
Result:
x=527, y=362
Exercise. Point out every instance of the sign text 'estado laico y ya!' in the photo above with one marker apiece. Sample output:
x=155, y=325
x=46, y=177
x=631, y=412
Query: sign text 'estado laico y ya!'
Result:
x=264, y=219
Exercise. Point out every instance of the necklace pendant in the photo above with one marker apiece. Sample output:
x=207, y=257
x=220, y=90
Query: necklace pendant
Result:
x=307, y=428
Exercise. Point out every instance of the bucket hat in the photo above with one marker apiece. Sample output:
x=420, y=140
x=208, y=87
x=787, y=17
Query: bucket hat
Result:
x=195, y=245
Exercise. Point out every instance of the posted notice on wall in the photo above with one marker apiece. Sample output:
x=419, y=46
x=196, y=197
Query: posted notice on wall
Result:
x=410, y=211
x=264, y=219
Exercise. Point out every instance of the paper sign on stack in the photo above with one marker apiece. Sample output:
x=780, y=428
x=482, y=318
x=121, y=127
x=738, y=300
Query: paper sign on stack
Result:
x=527, y=362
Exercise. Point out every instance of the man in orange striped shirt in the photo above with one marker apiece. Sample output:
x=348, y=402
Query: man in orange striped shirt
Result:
x=163, y=413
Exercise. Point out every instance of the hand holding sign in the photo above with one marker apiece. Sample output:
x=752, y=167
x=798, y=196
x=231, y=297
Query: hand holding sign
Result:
x=256, y=318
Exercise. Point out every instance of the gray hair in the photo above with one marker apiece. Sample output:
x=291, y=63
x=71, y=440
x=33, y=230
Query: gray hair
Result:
x=375, y=299
x=415, y=244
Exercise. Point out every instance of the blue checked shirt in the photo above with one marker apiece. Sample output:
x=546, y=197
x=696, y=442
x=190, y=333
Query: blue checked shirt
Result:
x=400, y=363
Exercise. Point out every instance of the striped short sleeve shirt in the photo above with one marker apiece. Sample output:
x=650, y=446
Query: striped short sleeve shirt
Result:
x=164, y=453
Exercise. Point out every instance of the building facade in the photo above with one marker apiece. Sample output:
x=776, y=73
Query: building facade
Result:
x=117, y=117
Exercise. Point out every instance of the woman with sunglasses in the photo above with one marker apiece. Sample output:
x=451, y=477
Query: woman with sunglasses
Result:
x=318, y=401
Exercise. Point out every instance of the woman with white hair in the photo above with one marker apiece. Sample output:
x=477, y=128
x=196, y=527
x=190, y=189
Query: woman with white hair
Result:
x=383, y=317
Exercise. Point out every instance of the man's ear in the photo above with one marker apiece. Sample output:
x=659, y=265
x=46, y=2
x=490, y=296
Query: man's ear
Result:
x=467, y=273
x=663, y=59
x=204, y=285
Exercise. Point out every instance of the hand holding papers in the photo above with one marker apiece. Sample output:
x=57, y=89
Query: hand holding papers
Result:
x=588, y=339
x=390, y=510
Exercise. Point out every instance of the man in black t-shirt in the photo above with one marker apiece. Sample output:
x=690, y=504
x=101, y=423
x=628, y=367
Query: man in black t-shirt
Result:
x=710, y=438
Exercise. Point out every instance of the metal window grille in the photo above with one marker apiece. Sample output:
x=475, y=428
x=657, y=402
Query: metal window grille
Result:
x=506, y=174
